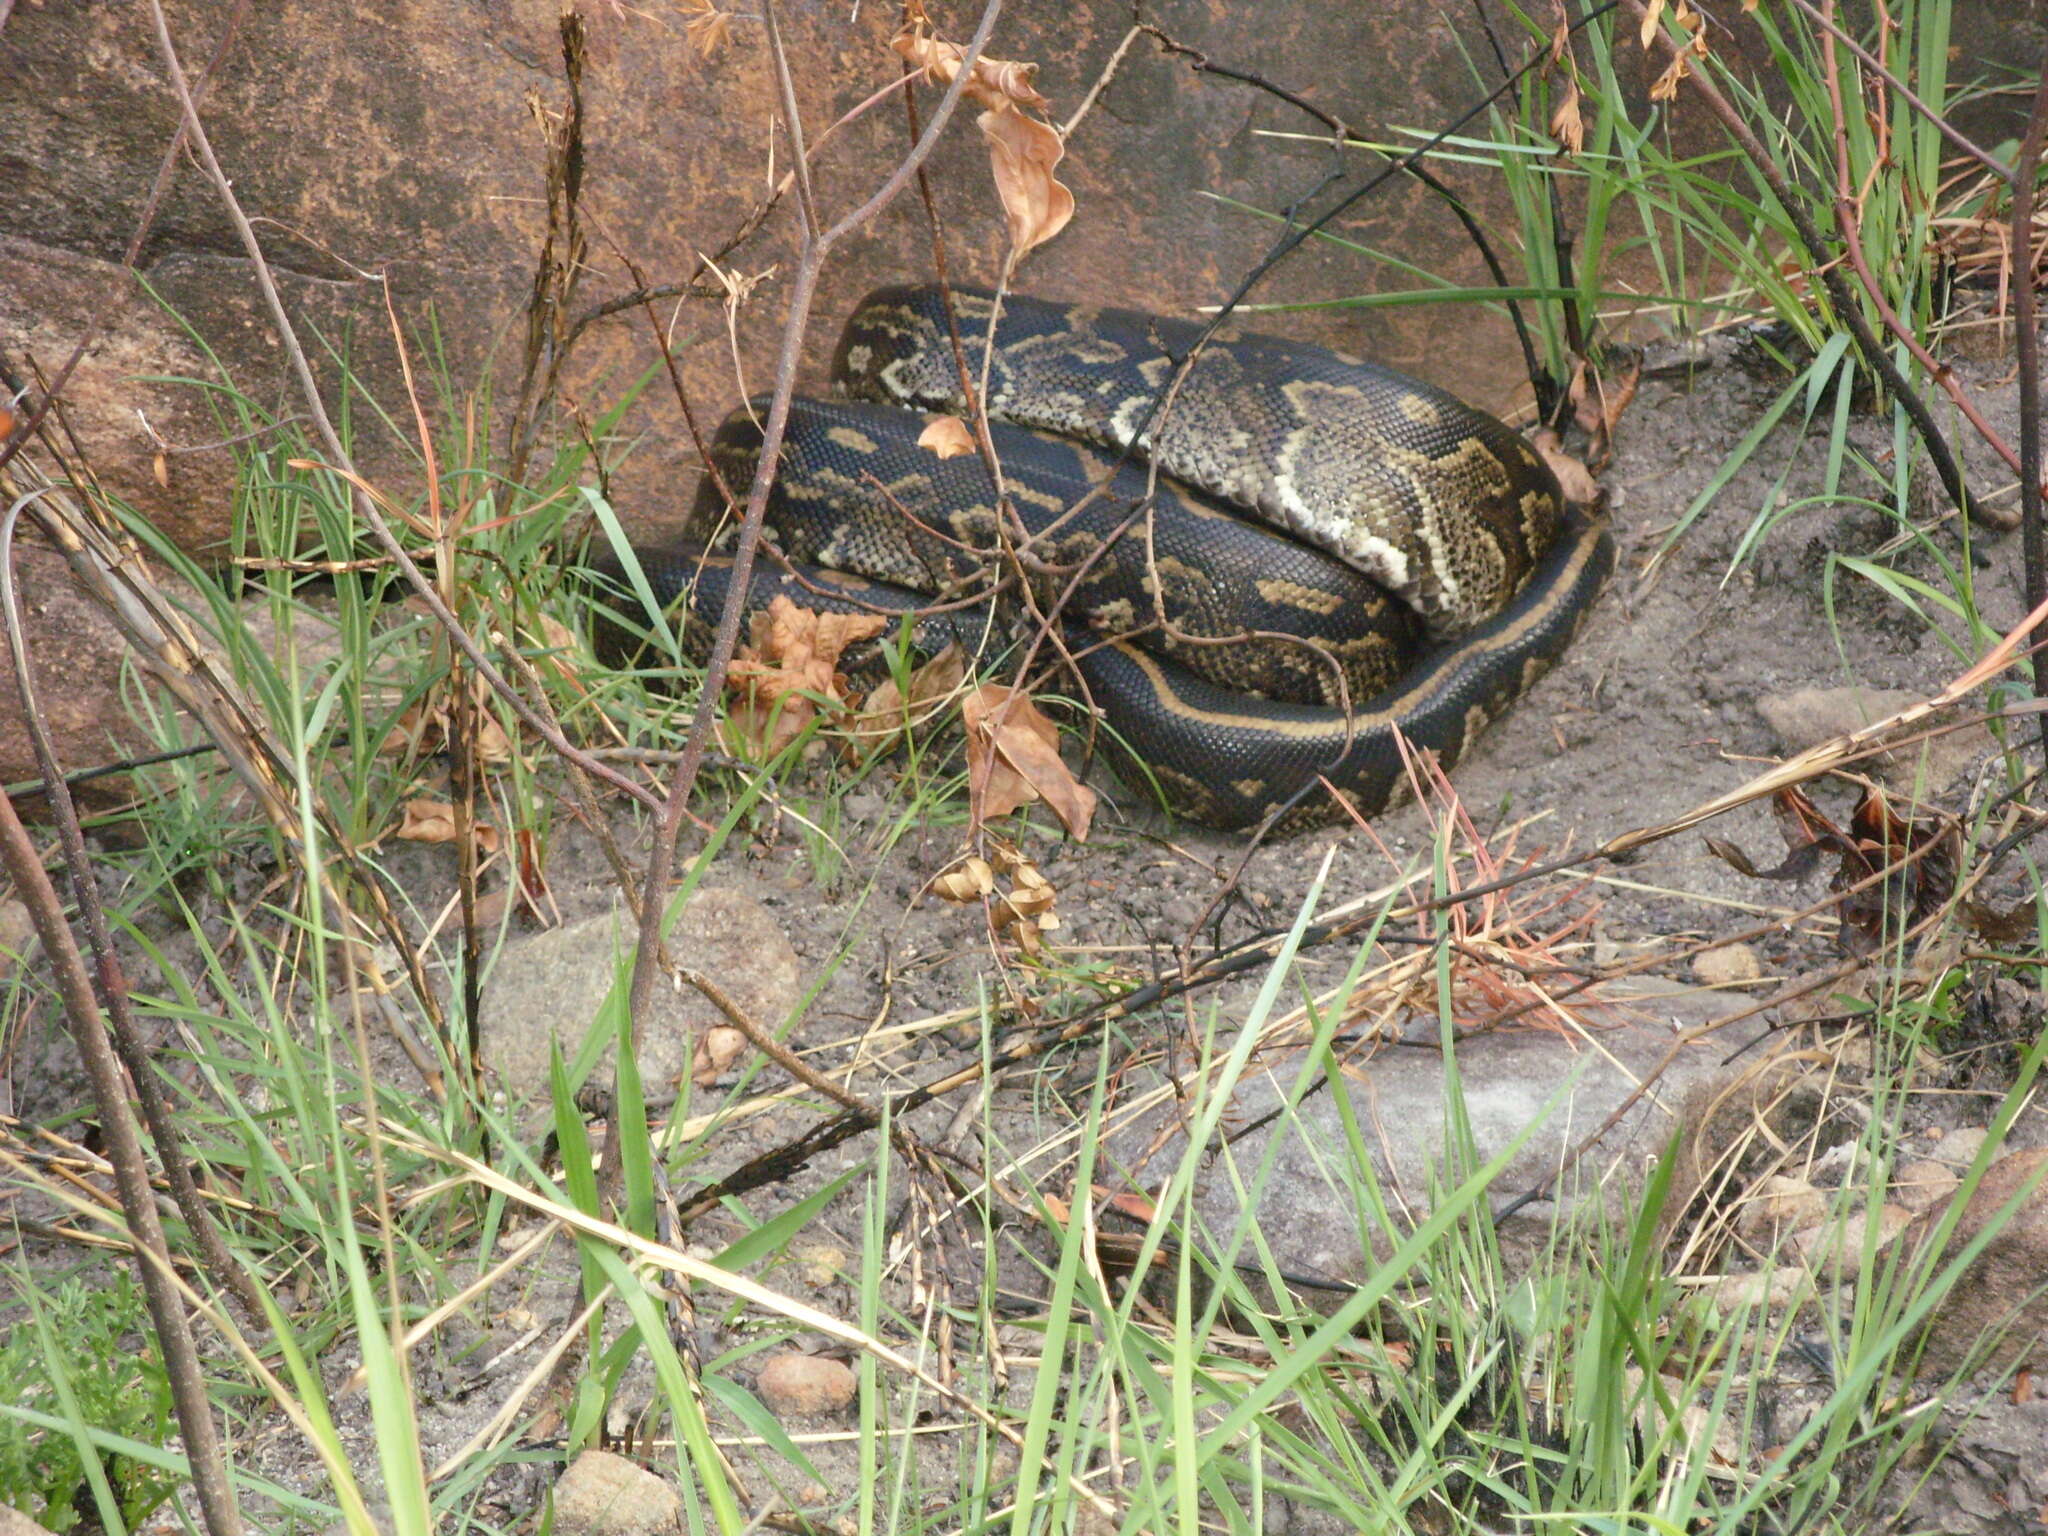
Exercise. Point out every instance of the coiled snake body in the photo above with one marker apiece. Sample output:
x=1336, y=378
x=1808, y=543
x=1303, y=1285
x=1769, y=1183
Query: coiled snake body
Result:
x=1432, y=561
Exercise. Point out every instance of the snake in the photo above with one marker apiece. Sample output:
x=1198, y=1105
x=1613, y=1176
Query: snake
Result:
x=1404, y=569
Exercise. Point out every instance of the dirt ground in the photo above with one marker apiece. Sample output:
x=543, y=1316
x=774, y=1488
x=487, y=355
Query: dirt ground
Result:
x=1659, y=707
x=1655, y=710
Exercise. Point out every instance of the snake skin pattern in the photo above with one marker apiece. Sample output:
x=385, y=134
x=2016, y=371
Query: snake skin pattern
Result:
x=1446, y=573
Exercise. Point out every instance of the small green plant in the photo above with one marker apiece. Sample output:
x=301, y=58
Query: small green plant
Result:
x=72, y=1357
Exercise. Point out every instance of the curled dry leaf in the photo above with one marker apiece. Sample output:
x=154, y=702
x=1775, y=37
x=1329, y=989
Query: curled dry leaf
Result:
x=708, y=28
x=947, y=436
x=1022, y=154
x=1665, y=86
x=1024, y=913
x=426, y=726
x=1023, y=150
x=1573, y=477
x=716, y=1049
x=792, y=663
x=1013, y=758
x=433, y=821
x=999, y=85
x=887, y=715
x=1566, y=125
x=969, y=880
x=1600, y=393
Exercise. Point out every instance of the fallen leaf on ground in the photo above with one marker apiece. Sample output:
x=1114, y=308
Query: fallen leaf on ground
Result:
x=433, y=821
x=716, y=1049
x=427, y=726
x=791, y=665
x=1573, y=477
x=1013, y=758
x=1024, y=914
x=887, y=715
x=1599, y=394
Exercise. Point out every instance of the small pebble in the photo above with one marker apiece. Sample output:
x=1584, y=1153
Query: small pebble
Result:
x=794, y=1383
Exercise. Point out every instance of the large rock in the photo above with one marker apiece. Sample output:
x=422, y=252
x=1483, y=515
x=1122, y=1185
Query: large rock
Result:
x=399, y=140
x=1546, y=1087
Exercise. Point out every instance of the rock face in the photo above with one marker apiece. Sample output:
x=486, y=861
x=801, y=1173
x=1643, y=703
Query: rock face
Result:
x=399, y=142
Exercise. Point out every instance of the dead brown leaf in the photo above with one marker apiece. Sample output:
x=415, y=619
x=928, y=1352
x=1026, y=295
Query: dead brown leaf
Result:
x=426, y=727
x=1022, y=155
x=707, y=28
x=887, y=716
x=1024, y=914
x=1573, y=477
x=947, y=436
x=716, y=1050
x=1013, y=758
x=1566, y=125
x=1665, y=86
x=1600, y=394
x=791, y=665
x=1023, y=150
x=433, y=821
x=999, y=85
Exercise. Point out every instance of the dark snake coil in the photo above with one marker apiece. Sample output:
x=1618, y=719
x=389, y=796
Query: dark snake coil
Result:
x=1446, y=573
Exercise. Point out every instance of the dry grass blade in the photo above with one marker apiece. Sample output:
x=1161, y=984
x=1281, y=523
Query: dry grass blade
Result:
x=1830, y=755
x=647, y=1251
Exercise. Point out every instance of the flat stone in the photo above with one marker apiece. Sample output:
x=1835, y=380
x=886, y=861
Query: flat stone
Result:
x=1806, y=717
x=551, y=987
x=1726, y=965
x=605, y=1495
x=1312, y=1223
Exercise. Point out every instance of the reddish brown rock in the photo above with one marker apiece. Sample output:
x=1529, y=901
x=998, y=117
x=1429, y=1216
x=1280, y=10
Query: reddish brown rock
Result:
x=794, y=1383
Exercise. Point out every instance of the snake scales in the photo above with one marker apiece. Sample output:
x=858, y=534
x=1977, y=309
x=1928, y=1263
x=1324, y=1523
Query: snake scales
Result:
x=1427, y=553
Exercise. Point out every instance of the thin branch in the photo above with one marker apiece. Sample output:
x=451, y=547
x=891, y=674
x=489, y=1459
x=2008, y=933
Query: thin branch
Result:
x=803, y=289
x=365, y=506
x=67, y=972
x=220, y=1264
x=2027, y=338
x=1947, y=129
x=792, y=120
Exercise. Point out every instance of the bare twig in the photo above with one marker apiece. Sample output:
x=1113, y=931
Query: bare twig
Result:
x=803, y=289
x=366, y=506
x=131, y=1174
x=792, y=121
x=1871, y=62
x=2027, y=338
x=220, y=1264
